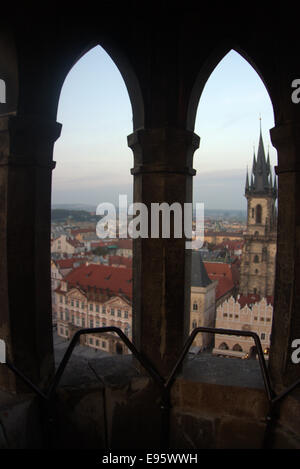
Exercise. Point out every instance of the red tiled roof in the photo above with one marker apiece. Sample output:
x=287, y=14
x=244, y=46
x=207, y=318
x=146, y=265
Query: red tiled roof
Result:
x=225, y=285
x=120, y=260
x=82, y=230
x=96, y=244
x=251, y=299
x=230, y=244
x=125, y=244
x=224, y=273
x=69, y=263
x=102, y=277
x=75, y=243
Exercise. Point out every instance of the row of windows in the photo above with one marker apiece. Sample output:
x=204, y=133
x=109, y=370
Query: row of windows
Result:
x=236, y=316
x=91, y=340
x=96, y=309
x=96, y=342
x=237, y=347
x=81, y=322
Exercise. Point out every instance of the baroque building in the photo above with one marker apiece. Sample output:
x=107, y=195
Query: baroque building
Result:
x=259, y=251
x=96, y=296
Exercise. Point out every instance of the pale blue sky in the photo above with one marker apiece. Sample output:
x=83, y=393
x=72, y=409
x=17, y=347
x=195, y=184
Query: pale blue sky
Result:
x=93, y=160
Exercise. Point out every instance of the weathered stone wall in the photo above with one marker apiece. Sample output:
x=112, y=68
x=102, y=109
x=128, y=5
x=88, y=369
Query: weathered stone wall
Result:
x=215, y=403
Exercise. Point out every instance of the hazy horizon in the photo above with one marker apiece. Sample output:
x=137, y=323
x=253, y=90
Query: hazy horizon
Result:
x=93, y=160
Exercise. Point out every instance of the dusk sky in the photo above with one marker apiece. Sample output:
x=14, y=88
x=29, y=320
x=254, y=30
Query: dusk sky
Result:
x=92, y=158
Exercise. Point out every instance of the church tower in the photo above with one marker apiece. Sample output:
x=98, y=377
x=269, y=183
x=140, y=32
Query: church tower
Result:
x=259, y=251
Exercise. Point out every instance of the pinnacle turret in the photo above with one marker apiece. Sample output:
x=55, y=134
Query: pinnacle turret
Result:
x=247, y=182
x=261, y=180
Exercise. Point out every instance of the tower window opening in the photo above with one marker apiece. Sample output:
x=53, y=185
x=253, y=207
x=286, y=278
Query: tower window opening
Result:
x=258, y=213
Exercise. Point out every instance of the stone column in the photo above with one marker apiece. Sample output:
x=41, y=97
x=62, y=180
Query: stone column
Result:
x=286, y=319
x=161, y=267
x=26, y=149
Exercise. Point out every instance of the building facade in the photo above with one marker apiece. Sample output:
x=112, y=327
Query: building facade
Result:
x=203, y=301
x=96, y=296
x=65, y=245
x=247, y=313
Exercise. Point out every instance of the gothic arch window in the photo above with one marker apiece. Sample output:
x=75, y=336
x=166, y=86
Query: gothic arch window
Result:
x=258, y=213
x=195, y=307
x=255, y=206
x=253, y=352
x=224, y=346
x=237, y=348
x=194, y=324
x=103, y=111
x=2, y=91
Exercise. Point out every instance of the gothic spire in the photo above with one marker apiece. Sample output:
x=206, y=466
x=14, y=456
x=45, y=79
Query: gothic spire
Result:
x=254, y=162
x=260, y=169
x=247, y=181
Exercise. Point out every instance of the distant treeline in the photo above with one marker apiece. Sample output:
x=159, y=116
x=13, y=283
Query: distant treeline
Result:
x=60, y=215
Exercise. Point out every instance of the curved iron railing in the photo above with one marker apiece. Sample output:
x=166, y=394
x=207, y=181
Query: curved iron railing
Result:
x=165, y=385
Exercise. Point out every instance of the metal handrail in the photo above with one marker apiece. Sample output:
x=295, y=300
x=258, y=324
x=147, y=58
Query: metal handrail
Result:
x=166, y=384
x=267, y=383
x=144, y=361
x=266, y=378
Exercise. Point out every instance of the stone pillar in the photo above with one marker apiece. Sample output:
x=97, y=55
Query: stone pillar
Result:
x=162, y=172
x=26, y=149
x=286, y=319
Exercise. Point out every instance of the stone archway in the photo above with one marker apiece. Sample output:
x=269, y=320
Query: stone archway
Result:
x=223, y=346
x=253, y=352
x=237, y=348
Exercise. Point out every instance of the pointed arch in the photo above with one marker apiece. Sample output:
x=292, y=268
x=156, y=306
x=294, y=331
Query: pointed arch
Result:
x=237, y=348
x=207, y=68
x=9, y=86
x=125, y=68
x=223, y=346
